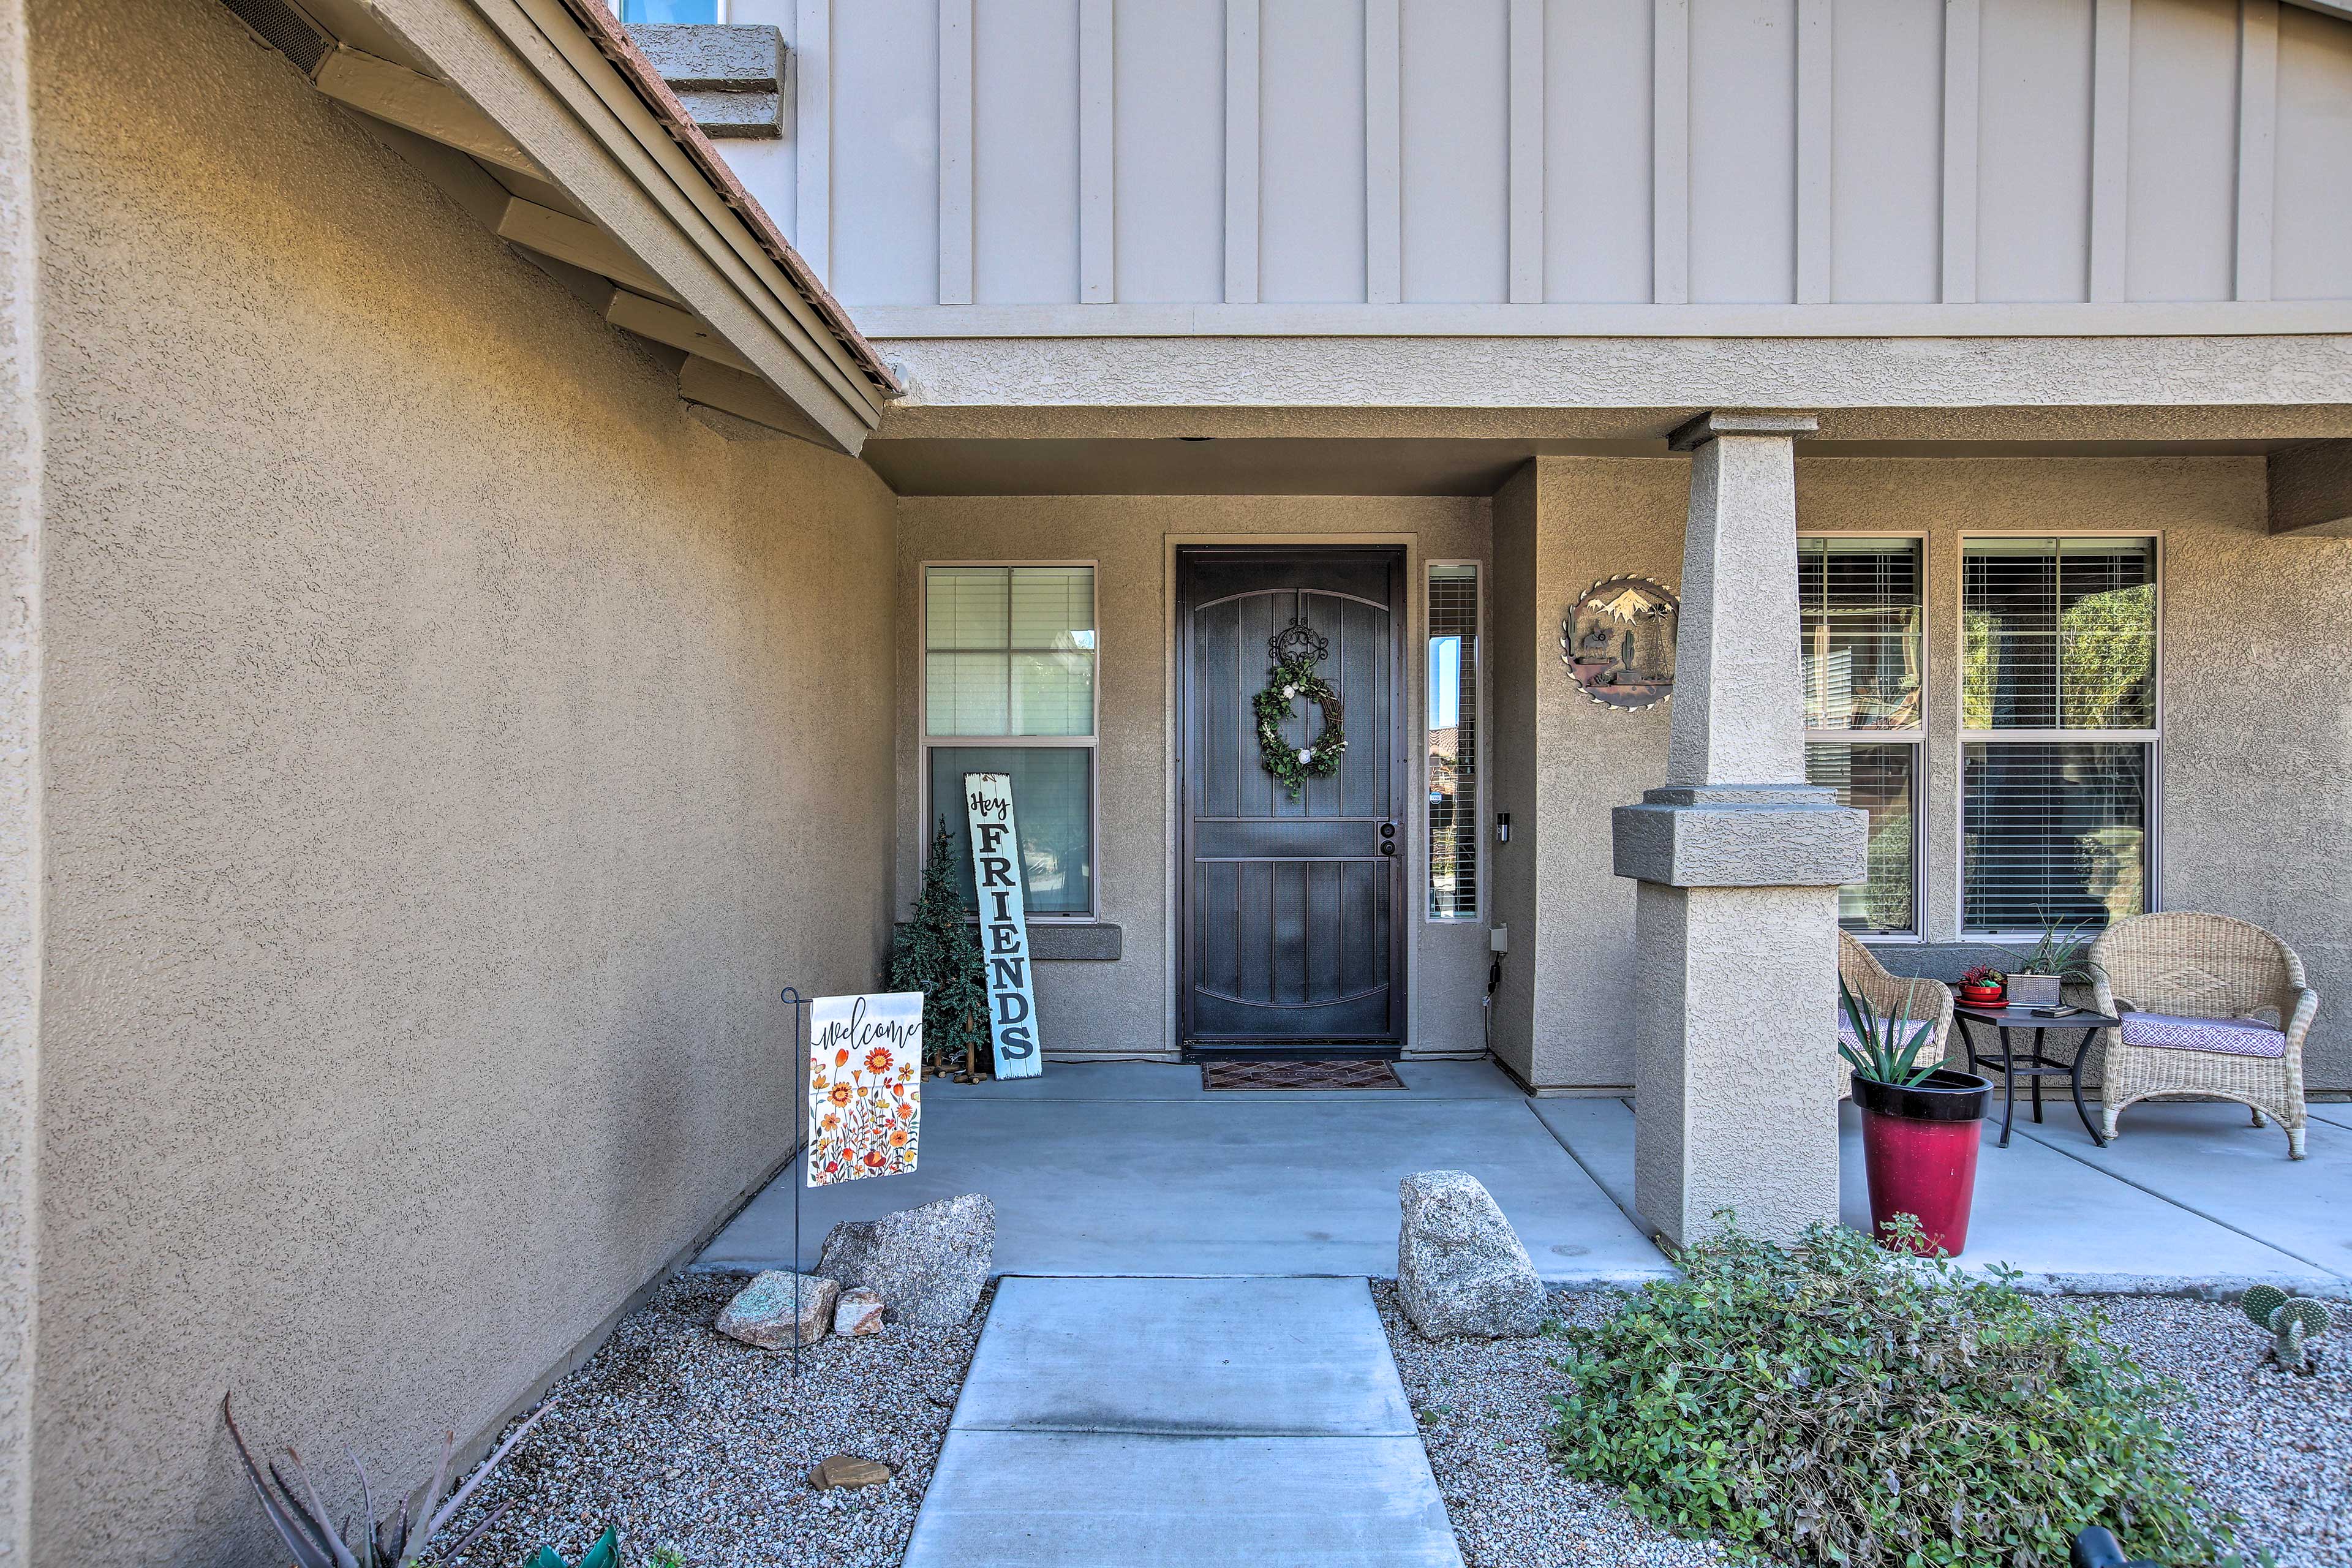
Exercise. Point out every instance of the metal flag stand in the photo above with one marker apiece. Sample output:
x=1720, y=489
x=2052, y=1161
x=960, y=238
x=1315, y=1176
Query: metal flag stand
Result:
x=800, y=1156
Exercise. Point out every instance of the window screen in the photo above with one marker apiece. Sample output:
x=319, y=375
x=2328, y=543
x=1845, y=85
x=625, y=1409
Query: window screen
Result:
x=1881, y=781
x=2054, y=832
x=1053, y=806
x=1453, y=712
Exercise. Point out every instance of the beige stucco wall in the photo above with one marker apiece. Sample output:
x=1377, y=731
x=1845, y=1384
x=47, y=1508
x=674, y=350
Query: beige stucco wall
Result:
x=452, y=744
x=20, y=800
x=2255, y=766
x=1125, y=1007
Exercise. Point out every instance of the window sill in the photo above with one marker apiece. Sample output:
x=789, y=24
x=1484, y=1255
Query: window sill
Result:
x=1075, y=942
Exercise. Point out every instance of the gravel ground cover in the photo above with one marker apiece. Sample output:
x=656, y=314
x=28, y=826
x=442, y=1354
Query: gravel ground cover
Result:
x=2277, y=1449
x=689, y=1441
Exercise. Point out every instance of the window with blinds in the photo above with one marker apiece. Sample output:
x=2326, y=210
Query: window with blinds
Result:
x=1453, y=725
x=1859, y=629
x=2058, y=706
x=1009, y=666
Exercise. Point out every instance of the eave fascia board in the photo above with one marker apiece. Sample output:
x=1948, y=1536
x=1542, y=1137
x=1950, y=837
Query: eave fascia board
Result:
x=2337, y=8
x=561, y=100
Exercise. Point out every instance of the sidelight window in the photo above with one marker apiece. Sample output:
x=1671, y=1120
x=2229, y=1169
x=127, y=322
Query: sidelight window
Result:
x=1009, y=687
x=2060, y=721
x=1859, y=607
x=1453, y=740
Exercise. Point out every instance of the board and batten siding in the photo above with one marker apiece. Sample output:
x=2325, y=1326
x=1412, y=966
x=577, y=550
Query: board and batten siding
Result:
x=997, y=164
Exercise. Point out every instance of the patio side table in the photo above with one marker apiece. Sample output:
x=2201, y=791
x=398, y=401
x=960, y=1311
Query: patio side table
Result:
x=2035, y=1064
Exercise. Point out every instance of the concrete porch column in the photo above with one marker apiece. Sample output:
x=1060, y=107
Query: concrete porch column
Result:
x=1738, y=860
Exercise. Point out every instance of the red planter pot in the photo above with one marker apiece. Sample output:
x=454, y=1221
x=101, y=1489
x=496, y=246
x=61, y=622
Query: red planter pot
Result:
x=1989, y=996
x=1919, y=1146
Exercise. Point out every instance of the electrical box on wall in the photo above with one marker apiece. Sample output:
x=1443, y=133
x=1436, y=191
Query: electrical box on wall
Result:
x=1499, y=940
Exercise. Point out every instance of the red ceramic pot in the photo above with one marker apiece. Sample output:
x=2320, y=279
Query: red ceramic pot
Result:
x=1919, y=1146
x=1982, y=995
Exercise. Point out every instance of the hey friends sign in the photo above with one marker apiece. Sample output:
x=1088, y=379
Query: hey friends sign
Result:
x=1004, y=924
x=866, y=1086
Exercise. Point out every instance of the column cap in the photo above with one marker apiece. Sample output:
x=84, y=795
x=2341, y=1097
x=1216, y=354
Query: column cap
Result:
x=1698, y=431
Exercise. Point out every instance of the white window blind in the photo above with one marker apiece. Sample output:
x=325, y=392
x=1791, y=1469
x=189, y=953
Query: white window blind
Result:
x=2058, y=701
x=1860, y=623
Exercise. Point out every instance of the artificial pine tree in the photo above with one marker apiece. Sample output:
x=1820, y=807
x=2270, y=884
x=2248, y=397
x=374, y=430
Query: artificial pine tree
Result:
x=938, y=953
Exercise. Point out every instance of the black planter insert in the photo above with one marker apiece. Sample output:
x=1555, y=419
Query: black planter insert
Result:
x=1942, y=1095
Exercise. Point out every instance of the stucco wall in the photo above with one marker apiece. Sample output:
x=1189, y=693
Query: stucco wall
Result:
x=2256, y=807
x=20, y=798
x=452, y=745
x=1125, y=1007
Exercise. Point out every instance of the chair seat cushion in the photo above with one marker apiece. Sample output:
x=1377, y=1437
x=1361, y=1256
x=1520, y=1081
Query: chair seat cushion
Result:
x=2229, y=1036
x=1847, y=1036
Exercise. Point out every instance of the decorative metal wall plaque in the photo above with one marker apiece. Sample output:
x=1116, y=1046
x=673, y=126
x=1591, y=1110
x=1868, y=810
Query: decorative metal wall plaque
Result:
x=1618, y=642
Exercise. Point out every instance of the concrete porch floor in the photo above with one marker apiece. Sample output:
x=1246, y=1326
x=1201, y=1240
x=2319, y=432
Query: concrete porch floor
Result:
x=1127, y=1169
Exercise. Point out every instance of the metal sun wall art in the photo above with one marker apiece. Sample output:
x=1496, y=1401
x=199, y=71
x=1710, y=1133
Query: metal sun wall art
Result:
x=1618, y=642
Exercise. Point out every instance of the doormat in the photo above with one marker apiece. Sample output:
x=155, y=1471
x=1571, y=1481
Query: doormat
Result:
x=1299, y=1075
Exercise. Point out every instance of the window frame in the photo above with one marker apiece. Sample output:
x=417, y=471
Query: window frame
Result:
x=1479, y=863
x=1915, y=737
x=1090, y=742
x=2152, y=793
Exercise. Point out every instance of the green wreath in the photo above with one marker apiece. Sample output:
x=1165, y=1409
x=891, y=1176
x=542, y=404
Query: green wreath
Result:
x=1290, y=679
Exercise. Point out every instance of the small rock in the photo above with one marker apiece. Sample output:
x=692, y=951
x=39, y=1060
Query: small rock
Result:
x=858, y=1312
x=1461, y=1271
x=930, y=1264
x=847, y=1470
x=763, y=1312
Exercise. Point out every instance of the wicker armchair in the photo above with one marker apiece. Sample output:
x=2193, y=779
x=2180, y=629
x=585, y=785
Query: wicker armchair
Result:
x=2222, y=1010
x=1884, y=992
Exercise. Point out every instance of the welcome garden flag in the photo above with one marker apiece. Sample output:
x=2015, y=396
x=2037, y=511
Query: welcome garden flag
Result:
x=866, y=1086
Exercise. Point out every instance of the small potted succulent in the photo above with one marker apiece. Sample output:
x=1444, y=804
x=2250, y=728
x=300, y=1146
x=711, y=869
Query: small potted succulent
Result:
x=2063, y=954
x=1919, y=1124
x=1981, y=986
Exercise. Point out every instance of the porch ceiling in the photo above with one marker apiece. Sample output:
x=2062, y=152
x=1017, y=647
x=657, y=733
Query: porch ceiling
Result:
x=1364, y=465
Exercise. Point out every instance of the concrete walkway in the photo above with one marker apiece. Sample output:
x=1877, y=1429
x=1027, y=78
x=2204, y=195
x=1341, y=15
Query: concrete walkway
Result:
x=1196, y=1421
x=2189, y=1200
x=1132, y=1168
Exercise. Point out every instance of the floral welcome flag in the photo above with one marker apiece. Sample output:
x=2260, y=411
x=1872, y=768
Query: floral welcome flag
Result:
x=866, y=1086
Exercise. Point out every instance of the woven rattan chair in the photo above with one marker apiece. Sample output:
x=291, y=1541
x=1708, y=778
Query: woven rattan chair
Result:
x=1884, y=992
x=2211, y=1005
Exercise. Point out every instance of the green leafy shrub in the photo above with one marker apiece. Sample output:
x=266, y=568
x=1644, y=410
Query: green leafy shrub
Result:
x=1832, y=1403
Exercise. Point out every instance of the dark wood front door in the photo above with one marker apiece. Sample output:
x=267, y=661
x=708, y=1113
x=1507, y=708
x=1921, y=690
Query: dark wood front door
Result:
x=1294, y=911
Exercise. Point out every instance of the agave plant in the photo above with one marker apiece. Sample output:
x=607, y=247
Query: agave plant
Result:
x=2063, y=949
x=1881, y=1051
x=300, y=1516
x=605, y=1553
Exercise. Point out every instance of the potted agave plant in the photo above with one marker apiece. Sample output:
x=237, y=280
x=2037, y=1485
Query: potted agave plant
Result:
x=2063, y=954
x=1919, y=1124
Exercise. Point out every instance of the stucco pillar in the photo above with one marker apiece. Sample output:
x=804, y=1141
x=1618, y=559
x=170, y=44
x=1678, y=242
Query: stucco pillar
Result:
x=20, y=838
x=1735, y=922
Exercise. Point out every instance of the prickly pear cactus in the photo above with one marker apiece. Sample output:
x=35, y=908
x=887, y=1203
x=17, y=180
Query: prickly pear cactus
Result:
x=2295, y=1321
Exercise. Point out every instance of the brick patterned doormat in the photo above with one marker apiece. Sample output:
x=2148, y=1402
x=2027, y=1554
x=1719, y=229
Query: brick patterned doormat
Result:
x=1299, y=1075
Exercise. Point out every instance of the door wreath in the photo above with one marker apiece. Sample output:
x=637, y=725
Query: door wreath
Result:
x=1297, y=649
